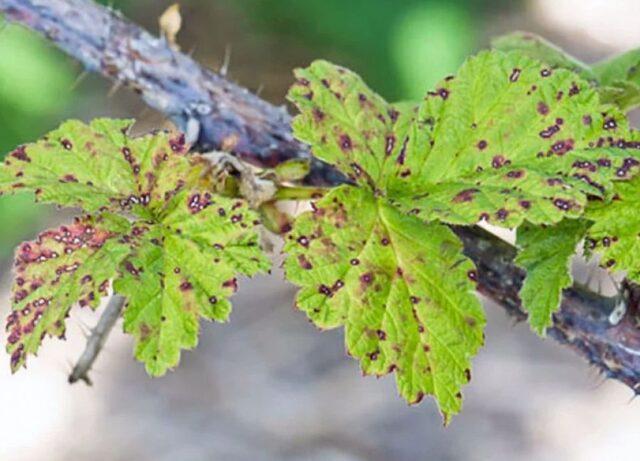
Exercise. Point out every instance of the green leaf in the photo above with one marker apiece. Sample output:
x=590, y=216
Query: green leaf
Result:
x=624, y=67
x=64, y=266
x=545, y=253
x=620, y=79
x=617, y=79
x=625, y=95
x=344, y=121
x=98, y=166
x=184, y=268
x=616, y=229
x=509, y=140
x=503, y=141
x=542, y=50
x=506, y=140
x=175, y=256
x=363, y=264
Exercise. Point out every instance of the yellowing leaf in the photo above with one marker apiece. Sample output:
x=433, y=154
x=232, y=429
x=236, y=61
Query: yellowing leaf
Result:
x=98, y=166
x=364, y=265
x=174, y=253
x=64, y=266
x=506, y=140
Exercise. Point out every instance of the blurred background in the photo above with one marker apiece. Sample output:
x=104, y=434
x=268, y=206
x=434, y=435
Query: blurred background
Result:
x=269, y=386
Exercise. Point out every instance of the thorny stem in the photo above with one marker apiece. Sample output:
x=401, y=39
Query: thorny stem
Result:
x=96, y=340
x=217, y=114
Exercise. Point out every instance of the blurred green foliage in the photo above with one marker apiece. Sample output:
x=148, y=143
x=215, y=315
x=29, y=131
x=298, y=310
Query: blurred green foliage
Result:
x=400, y=47
x=35, y=84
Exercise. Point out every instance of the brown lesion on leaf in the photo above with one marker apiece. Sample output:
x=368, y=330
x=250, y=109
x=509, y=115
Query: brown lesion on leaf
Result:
x=574, y=89
x=304, y=262
x=610, y=123
x=345, y=143
x=390, y=141
x=542, y=108
x=20, y=153
x=562, y=147
x=69, y=178
x=472, y=322
x=144, y=331
x=466, y=195
x=232, y=284
x=178, y=144
x=516, y=174
x=366, y=280
x=498, y=161
x=502, y=214
x=185, y=286
x=66, y=144
x=318, y=115
x=564, y=205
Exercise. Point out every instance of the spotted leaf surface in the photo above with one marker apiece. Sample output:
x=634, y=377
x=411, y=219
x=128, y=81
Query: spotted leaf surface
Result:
x=615, y=233
x=64, y=266
x=616, y=80
x=98, y=166
x=507, y=139
x=364, y=265
x=545, y=253
x=511, y=140
x=542, y=50
x=184, y=268
x=345, y=122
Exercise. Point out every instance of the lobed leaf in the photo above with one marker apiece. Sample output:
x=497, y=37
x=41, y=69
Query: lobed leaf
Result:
x=545, y=253
x=184, y=268
x=344, y=121
x=100, y=167
x=174, y=255
x=510, y=140
x=64, y=266
x=507, y=140
x=364, y=265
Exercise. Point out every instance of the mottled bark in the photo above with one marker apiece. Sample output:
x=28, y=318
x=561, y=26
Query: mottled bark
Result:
x=216, y=113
